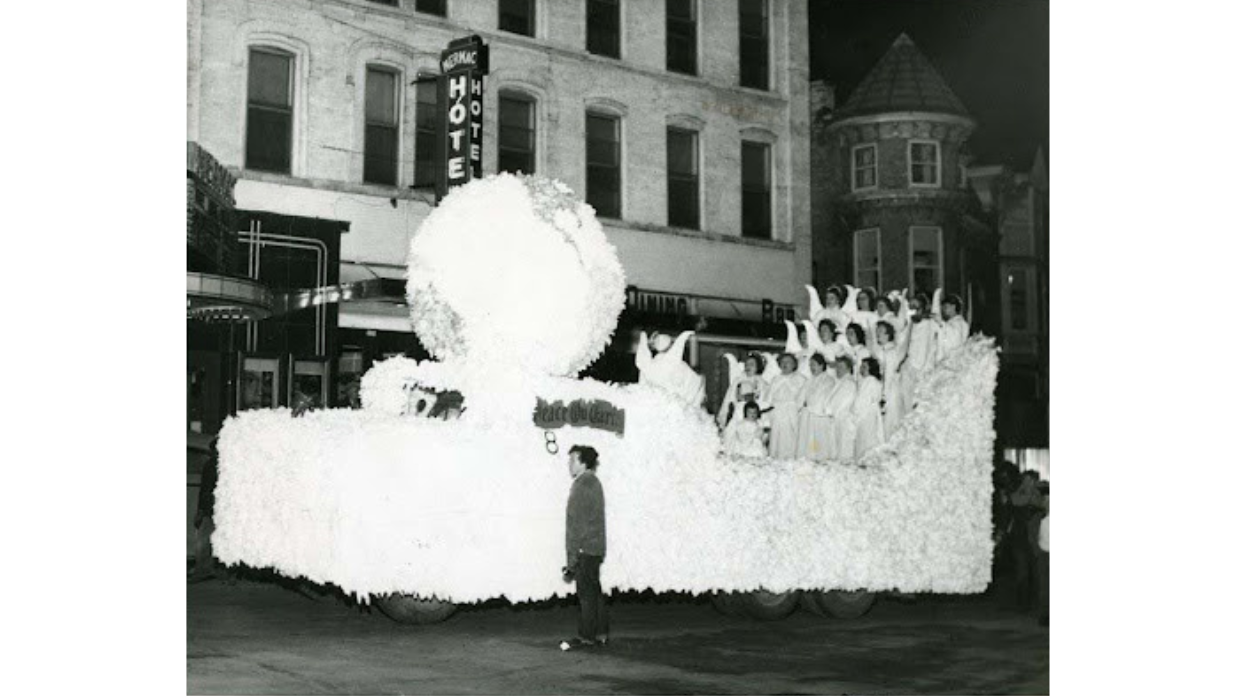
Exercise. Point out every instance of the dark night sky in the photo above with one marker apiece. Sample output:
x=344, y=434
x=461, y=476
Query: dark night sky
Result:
x=993, y=53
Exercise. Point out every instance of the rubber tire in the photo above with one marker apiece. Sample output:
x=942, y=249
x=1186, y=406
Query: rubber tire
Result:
x=727, y=603
x=768, y=606
x=841, y=604
x=409, y=609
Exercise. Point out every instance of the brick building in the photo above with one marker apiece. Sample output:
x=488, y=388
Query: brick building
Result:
x=892, y=207
x=684, y=122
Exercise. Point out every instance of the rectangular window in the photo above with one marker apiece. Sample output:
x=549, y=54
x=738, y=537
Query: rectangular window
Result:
x=867, y=258
x=604, y=25
x=924, y=163
x=682, y=164
x=756, y=190
x=392, y=3
x=517, y=16
x=680, y=33
x=926, y=259
x=426, y=165
x=863, y=168
x=604, y=156
x=516, y=134
x=433, y=7
x=268, y=134
x=753, y=43
x=1019, y=299
x=381, y=126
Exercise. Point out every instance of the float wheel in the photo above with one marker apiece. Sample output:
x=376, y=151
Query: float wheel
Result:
x=409, y=609
x=727, y=603
x=768, y=606
x=839, y=603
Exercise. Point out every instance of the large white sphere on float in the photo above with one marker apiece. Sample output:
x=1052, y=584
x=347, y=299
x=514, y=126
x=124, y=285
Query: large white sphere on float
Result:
x=514, y=271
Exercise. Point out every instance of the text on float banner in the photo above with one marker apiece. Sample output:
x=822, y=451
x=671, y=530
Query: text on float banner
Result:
x=580, y=413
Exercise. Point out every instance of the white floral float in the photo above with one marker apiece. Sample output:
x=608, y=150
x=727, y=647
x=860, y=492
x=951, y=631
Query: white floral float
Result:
x=377, y=502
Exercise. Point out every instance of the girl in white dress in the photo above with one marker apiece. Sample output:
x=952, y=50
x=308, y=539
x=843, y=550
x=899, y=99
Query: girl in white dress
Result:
x=830, y=347
x=863, y=428
x=856, y=339
x=785, y=395
x=889, y=349
x=831, y=309
x=921, y=353
x=837, y=408
x=745, y=436
x=812, y=421
x=750, y=387
x=861, y=307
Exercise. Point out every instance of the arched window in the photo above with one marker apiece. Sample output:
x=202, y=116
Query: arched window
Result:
x=603, y=189
x=516, y=132
x=426, y=164
x=382, y=125
x=268, y=116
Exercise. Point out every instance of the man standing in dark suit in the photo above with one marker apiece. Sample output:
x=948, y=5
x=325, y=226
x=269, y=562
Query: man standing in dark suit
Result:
x=585, y=548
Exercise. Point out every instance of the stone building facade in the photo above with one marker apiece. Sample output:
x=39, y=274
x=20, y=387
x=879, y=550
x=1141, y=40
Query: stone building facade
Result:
x=322, y=81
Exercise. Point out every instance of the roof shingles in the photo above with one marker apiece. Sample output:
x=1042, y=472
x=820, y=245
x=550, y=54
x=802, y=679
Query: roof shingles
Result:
x=902, y=80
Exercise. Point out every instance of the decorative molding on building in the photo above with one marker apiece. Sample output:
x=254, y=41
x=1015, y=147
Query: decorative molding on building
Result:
x=920, y=126
x=864, y=201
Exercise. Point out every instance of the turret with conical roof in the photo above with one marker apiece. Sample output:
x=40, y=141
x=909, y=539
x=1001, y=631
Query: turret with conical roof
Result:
x=896, y=209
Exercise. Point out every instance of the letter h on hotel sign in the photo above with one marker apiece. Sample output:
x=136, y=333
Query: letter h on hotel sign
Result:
x=461, y=90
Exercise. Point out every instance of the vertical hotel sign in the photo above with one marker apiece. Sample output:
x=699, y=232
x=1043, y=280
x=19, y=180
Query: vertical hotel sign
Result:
x=461, y=89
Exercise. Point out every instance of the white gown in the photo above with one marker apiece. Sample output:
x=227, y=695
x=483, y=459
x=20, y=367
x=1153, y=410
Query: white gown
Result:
x=951, y=336
x=745, y=438
x=863, y=429
x=812, y=421
x=785, y=395
x=751, y=387
x=836, y=408
x=920, y=356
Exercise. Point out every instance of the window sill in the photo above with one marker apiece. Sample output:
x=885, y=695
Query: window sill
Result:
x=376, y=190
x=697, y=234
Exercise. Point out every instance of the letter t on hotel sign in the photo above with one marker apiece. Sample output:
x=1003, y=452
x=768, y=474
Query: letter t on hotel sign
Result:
x=461, y=90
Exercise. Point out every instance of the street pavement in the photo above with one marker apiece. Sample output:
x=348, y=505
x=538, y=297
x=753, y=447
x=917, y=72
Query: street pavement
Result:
x=260, y=637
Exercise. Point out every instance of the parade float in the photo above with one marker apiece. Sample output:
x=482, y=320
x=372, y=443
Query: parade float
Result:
x=514, y=289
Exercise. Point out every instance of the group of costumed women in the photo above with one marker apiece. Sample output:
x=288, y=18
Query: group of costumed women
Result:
x=846, y=379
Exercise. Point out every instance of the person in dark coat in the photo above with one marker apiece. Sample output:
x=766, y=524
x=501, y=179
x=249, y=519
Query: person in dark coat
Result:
x=204, y=563
x=585, y=548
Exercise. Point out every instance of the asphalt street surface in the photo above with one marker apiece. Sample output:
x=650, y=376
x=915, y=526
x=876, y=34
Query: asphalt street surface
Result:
x=258, y=637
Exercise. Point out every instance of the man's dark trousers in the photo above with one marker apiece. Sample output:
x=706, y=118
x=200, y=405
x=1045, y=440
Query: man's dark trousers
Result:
x=593, y=614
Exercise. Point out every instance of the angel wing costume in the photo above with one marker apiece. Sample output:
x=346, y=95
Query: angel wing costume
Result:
x=667, y=370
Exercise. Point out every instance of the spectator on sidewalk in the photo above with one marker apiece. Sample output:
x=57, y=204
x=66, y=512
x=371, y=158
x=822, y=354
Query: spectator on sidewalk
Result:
x=585, y=548
x=1042, y=564
x=203, y=521
x=1027, y=511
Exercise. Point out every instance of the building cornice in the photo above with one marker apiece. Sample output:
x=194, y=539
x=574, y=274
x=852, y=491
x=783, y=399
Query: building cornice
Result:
x=881, y=199
x=907, y=124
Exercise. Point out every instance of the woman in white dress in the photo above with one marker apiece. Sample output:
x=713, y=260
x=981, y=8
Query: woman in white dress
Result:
x=952, y=328
x=745, y=436
x=863, y=429
x=785, y=396
x=812, y=421
x=837, y=408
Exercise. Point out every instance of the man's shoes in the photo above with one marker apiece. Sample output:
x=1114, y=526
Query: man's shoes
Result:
x=576, y=644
